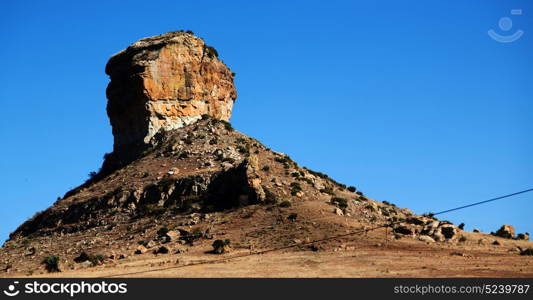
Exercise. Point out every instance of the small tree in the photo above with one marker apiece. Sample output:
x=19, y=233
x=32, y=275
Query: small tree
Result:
x=51, y=263
x=221, y=246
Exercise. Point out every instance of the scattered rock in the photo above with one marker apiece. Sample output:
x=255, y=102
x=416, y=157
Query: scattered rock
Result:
x=141, y=250
x=426, y=238
x=338, y=211
x=150, y=244
x=171, y=236
x=180, y=250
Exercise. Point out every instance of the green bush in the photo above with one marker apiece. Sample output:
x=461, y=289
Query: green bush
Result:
x=162, y=231
x=352, y=189
x=265, y=168
x=94, y=259
x=340, y=202
x=328, y=191
x=51, y=263
x=211, y=52
x=359, y=193
x=221, y=246
x=205, y=116
x=244, y=149
x=188, y=140
x=228, y=159
x=292, y=216
x=295, y=188
x=285, y=203
x=227, y=125
x=461, y=226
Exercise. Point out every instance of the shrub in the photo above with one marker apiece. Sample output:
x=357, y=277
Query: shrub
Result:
x=281, y=159
x=92, y=174
x=295, y=188
x=162, y=231
x=285, y=203
x=265, y=168
x=359, y=193
x=340, y=202
x=221, y=246
x=328, y=191
x=461, y=226
x=244, y=149
x=228, y=159
x=205, y=116
x=210, y=51
x=189, y=32
x=188, y=140
x=462, y=238
x=528, y=251
x=352, y=189
x=292, y=216
x=213, y=141
x=51, y=263
x=309, y=181
x=227, y=125
x=295, y=174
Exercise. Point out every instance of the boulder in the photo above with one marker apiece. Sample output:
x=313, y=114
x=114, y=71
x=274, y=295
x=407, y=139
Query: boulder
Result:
x=404, y=229
x=426, y=238
x=140, y=250
x=338, y=211
x=506, y=231
x=448, y=231
x=523, y=236
x=163, y=83
x=172, y=236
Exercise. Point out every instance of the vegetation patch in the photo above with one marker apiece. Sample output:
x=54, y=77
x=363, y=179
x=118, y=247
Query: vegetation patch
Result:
x=340, y=202
x=285, y=203
x=51, y=263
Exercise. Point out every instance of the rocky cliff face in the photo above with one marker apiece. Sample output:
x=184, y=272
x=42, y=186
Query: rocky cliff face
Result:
x=165, y=82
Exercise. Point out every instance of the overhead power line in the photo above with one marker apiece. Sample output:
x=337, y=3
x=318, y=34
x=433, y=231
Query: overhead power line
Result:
x=482, y=202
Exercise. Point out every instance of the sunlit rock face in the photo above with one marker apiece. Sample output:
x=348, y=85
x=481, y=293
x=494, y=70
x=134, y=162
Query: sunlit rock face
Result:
x=163, y=83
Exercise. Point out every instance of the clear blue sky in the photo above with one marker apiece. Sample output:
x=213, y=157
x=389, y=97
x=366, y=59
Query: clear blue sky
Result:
x=410, y=101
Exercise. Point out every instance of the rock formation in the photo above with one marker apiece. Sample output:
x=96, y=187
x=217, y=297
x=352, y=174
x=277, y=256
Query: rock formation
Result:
x=165, y=82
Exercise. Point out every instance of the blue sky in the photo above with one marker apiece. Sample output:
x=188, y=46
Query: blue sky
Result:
x=410, y=101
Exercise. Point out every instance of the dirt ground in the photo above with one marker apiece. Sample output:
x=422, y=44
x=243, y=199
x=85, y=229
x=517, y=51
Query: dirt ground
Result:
x=367, y=256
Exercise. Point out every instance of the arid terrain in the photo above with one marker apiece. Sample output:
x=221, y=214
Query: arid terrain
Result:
x=184, y=194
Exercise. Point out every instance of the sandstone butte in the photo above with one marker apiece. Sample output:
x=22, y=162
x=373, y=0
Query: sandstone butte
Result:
x=162, y=83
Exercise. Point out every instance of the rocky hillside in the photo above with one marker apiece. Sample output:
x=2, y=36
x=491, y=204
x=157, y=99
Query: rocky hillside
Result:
x=181, y=177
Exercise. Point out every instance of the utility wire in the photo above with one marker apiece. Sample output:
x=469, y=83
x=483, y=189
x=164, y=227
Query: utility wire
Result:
x=481, y=202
